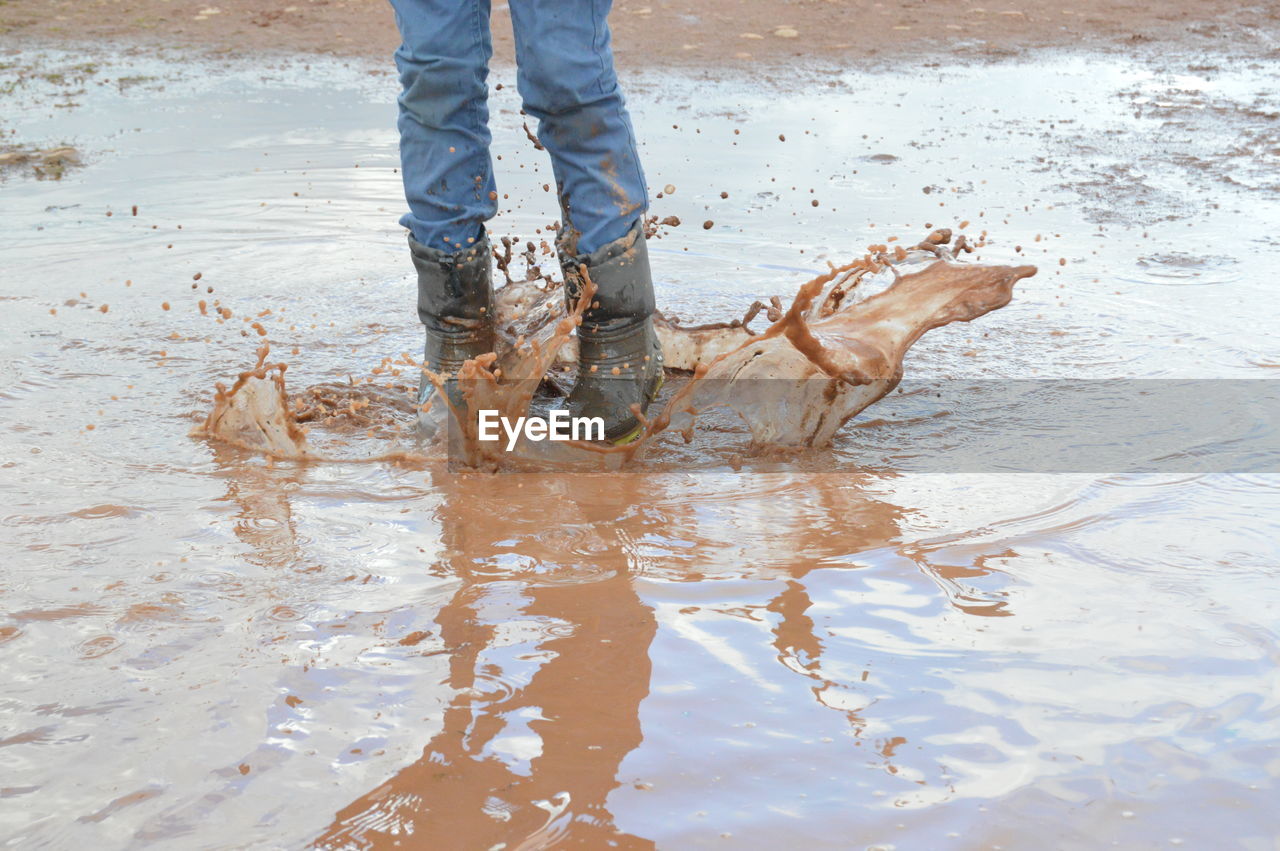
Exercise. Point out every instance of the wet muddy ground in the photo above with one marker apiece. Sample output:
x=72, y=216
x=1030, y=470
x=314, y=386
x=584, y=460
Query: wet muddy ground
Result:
x=201, y=648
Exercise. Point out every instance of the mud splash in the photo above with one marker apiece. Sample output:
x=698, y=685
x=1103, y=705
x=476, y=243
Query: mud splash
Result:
x=828, y=357
x=831, y=356
x=255, y=413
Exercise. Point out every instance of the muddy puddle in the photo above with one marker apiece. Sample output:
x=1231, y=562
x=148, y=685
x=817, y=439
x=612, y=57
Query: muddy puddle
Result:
x=843, y=646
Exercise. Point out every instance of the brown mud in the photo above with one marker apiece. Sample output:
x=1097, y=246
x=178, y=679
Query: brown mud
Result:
x=255, y=413
x=831, y=356
x=823, y=361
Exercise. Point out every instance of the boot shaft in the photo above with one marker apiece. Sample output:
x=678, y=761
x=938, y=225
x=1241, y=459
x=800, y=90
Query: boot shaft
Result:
x=455, y=304
x=619, y=358
x=455, y=291
x=624, y=283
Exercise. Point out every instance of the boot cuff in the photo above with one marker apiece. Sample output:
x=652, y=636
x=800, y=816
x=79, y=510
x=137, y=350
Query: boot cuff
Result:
x=620, y=271
x=453, y=289
x=604, y=253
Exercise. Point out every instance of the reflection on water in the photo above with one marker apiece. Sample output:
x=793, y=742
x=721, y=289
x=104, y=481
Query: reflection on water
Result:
x=548, y=646
x=203, y=648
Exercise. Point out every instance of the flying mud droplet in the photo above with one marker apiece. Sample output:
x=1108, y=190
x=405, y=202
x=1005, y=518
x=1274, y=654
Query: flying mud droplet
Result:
x=532, y=138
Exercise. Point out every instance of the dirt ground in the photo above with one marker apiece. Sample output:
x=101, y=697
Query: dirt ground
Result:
x=706, y=33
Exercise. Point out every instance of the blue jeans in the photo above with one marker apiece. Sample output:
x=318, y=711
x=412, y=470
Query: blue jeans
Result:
x=566, y=79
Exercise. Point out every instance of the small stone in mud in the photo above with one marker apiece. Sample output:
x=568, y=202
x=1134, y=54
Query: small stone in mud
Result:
x=708, y=224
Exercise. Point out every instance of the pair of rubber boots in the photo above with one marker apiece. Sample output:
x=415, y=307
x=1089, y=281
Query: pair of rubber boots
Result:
x=619, y=357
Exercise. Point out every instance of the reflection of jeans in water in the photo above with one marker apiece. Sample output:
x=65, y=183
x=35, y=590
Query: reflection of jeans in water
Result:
x=567, y=81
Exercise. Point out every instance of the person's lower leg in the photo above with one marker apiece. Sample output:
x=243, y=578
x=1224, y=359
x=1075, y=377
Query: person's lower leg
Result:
x=619, y=357
x=448, y=175
x=567, y=81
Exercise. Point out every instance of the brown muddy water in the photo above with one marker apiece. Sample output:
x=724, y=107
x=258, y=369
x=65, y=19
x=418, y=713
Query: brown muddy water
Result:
x=202, y=648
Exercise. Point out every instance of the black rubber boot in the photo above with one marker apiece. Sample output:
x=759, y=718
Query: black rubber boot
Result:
x=455, y=305
x=619, y=357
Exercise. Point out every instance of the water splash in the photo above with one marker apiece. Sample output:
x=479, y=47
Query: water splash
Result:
x=829, y=356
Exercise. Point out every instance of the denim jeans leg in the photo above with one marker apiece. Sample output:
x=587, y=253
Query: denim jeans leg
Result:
x=566, y=79
x=444, y=119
